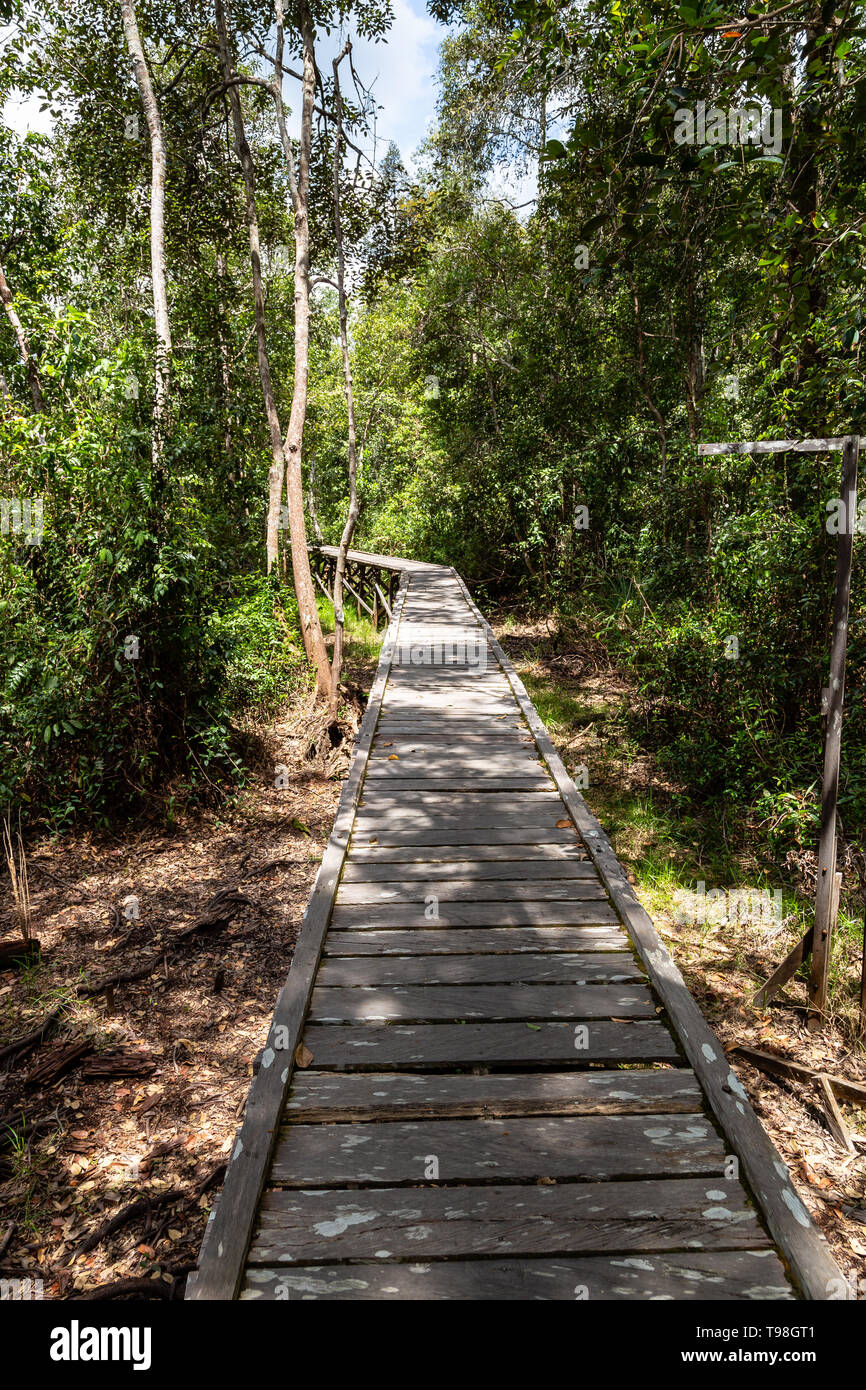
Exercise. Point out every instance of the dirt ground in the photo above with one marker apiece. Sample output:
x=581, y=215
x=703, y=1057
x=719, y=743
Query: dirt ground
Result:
x=106, y=1180
x=723, y=963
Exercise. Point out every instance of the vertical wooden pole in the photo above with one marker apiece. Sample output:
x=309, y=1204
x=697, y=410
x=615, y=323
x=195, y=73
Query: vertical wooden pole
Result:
x=825, y=917
x=862, y=1028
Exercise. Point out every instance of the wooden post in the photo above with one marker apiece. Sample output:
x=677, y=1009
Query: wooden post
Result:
x=825, y=916
x=863, y=982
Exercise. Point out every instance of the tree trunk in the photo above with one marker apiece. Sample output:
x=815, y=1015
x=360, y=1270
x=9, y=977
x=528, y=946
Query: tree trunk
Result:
x=642, y=379
x=244, y=154
x=314, y=642
x=162, y=374
x=309, y=613
x=23, y=347
x=352, y=516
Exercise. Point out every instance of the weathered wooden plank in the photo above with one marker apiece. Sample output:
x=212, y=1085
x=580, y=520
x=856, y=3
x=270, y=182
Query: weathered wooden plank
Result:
x=407, y=915
x=372, y=1046
x=459, y=781
x=723, y=1275
x=229, y=1227
x=568, y=851
x=799, y=1240
x=333, y=1096
x=781, y=1066
x=448, y=769
x=615, y=968
x=443, y=759
x=521, y=1148
x=776, y=446
x=495, y=940
x=430, y=733
x=446, y=733
x=462, y=870
x=419, y=701
x=422, y=1223
x=524, y=836
x=428, y=1004
x=391, y=801
x=425, y=812
x=454, y=890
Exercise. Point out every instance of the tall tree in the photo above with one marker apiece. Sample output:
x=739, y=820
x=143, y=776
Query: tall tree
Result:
x=157, y=230
x=286, y=456
x=354, y=508
x=300, y=191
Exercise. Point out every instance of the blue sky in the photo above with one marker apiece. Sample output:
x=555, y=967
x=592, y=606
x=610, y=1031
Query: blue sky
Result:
x=403, y=70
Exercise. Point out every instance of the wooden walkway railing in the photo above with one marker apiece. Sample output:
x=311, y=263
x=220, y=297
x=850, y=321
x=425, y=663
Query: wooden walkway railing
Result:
x=485, y=1078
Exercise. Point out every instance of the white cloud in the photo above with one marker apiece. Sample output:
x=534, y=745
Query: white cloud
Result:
x=405, y=72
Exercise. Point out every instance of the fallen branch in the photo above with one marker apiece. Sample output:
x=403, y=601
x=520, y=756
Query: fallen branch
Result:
x=30, y=1039
x=129, y=1063
x=6, y=1237
x=123, y=977
x=125, y=1288
x=222, y=907
x=58, y=1060
x=142, y=1206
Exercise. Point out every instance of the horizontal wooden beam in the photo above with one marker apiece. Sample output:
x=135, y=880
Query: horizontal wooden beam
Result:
x=776, y=446
x=853, y=1091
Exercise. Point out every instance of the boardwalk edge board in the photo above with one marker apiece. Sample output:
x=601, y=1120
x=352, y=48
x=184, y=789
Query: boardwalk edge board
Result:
x=230, y=1224
x=789, y=1223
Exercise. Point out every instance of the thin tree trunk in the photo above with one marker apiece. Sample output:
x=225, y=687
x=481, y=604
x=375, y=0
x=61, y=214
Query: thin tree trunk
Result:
x=642, y=379
x=225, y=377
x=294, y=440
x=314, y=642
x=248, y=168
x=244, y=154
x=162, y=374
x=23, y=346
x=352, y=516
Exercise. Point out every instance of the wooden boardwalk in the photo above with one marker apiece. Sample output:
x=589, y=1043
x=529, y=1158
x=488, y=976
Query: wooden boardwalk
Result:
x=485, y=1078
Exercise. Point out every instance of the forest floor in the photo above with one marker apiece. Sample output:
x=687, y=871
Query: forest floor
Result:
x=668, y=843
x=106, y=1179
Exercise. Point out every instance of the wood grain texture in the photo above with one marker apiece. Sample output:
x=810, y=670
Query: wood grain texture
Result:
x=422, y=1223
x=715, y=1276
x=332, y=1096
x=371, y=1047
x=574, y=969
x=494, y=1002
x=464, y=941
x=521, y=1148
